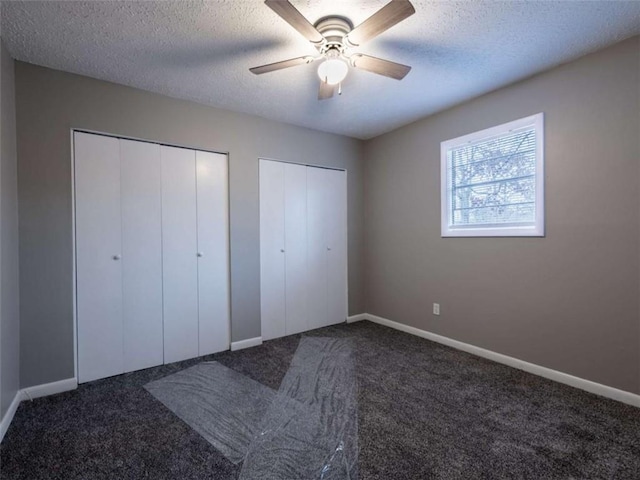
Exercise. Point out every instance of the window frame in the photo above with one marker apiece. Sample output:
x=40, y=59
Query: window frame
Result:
x=537, y=229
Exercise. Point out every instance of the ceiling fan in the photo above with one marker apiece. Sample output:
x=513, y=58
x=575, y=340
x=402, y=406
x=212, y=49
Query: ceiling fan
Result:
x=334, y=37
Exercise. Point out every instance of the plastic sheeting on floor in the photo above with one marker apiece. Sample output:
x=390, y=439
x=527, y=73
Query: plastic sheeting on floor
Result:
x=306, y=430
x=222, y=405
x=310, y=430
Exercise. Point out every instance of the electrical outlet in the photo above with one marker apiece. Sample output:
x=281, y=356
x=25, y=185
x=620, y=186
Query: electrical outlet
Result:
x=436, y=309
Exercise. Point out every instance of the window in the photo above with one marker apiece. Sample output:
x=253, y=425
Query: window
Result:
x=492, y=181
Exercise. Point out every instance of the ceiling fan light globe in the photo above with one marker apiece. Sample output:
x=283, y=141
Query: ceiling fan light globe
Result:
x=333, y=71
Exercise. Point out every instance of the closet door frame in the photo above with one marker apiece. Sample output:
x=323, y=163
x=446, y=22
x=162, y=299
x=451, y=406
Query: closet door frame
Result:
x=74, y=285
x=346, y=226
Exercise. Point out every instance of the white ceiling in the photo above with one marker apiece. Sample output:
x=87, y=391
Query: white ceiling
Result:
x=202, y=51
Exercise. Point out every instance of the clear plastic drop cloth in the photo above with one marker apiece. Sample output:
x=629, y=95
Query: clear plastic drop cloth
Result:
x=224, y=406
x=310, y=431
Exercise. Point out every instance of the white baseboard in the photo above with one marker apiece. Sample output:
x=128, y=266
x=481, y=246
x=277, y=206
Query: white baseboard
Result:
x=577, y=382
x=357, y=318
x=34, y=392
x=49, y=388
x=248, y=343
x=8, y=416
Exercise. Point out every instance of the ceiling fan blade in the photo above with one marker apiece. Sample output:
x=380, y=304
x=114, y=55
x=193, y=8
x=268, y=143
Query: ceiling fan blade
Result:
x=326, y=91
x=293, y=17
x=388, y=16
x=379, y=66
x=280, y=65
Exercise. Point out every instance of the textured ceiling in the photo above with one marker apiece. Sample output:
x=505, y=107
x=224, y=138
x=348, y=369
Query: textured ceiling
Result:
x=202, y=51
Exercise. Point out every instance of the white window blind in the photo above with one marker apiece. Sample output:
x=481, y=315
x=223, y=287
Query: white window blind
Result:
x=492, y=181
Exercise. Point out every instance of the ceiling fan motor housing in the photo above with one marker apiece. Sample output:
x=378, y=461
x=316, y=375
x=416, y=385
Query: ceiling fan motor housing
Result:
x=333, y=29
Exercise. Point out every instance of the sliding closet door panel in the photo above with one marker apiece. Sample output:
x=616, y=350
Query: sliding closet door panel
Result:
x=141, y=254
x=213, y=248
x=317, y=247
x=336, y=184
x=272, y=250
x=179, y=248
x=295, y=207
x=98, y=256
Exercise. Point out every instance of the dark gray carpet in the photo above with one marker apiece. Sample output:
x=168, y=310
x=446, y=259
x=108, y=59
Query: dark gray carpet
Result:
x=425, y=411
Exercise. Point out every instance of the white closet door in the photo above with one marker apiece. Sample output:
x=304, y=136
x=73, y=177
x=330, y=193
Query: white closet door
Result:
x=179, y=248
x=317, y=247
x=98, y=256
x=295, y=207
x=141, y=254
x=336, y=198
x=272, y=250
x=213, y=247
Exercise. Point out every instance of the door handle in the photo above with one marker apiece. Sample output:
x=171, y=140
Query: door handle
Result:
x=116, y=257
x=200, y=254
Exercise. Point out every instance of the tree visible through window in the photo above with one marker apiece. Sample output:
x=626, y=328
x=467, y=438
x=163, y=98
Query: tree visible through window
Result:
x=492, y=181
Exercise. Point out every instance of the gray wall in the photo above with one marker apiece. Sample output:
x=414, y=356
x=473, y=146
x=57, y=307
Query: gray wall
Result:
x=568, y=301
x=9, y=299
x=50, y=103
